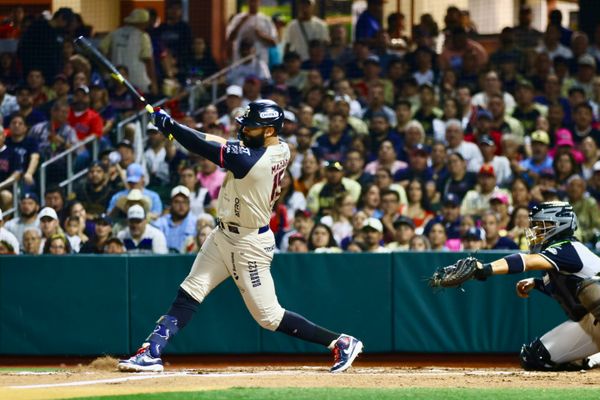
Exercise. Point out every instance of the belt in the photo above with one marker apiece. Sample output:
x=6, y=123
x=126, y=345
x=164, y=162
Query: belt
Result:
x=236, y=229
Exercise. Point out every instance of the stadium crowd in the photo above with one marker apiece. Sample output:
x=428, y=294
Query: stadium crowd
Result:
x=398, y=143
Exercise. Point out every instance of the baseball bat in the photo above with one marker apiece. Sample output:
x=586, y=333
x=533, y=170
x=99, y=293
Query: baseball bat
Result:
x=86, y=48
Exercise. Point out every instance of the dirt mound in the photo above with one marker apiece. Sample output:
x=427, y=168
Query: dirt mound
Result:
x=105, y=363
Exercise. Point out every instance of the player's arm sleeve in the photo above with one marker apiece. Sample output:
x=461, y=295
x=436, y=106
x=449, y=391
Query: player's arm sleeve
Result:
x=563, y=257
x=208, y=146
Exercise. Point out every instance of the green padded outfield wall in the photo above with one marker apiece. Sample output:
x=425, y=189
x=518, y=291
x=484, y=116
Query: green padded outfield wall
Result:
x=89, y=305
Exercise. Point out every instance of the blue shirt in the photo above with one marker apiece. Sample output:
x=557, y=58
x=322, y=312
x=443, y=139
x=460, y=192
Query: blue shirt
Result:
x=156, y=207
x=176, y=234
x=367, y=26
x=529, y=165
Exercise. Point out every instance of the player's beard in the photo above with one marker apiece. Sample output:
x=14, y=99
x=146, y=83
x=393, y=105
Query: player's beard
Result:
x=252, y=142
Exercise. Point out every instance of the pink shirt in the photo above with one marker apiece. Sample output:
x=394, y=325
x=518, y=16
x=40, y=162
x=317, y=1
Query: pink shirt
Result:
x=212, y=182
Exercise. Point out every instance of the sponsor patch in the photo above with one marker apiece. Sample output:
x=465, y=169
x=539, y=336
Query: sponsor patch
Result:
x=269, y=114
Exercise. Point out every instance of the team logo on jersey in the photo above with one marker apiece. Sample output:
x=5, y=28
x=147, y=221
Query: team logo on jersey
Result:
x=247, y=112
x=269, y=114
x=552, y=250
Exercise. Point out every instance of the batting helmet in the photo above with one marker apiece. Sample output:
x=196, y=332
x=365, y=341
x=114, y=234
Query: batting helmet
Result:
x=262, y=113
x=548, y=222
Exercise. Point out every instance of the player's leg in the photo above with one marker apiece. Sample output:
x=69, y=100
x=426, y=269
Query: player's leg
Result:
x=250, y=266
x=207, y=272
x=564, y=347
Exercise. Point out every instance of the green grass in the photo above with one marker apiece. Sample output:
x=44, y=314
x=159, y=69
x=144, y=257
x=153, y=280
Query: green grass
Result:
x=363, y=394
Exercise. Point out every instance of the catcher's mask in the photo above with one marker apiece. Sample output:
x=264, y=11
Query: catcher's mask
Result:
x=548, y=222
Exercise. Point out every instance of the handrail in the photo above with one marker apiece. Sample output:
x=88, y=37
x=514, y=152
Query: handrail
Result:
x=15, y=189
x=142, y=114
x=213, y=80
x=69, y=154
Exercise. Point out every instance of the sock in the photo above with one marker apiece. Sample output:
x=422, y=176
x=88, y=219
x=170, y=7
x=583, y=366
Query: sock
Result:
x=178, y=316
x=296, y=325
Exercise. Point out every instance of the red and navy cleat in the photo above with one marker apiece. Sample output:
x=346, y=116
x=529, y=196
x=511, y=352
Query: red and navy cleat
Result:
x=345, y=350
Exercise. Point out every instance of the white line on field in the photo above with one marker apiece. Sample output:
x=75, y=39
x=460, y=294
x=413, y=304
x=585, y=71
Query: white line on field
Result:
x=357, y=372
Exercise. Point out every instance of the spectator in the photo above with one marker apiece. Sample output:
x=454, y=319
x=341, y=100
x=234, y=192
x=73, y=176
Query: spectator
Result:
x=371, y=78
x=492, y=85
x=500, y=164
x=456, y=144
x=437, y=237
x=459, y=180
x=179, y=224
x=310, y=174
x=200, y=199
x=318, y=64
x=555, y=18
x=373, y=234
x=338, y=49
x=369, y=23
x=29, y=205
x=564, y=166
x=102, y=232
x=439, y=163
x=255, y=27
x=303, y=29
x=40, y=46
x=202, y=233
x=114, y=246
x=254, y=67
x=403, y=111
x=8, y=102
x=583, y=118
x=472, y=239
x=376, y=104
x=49, y=225
x=457, y=46
x=321, y=195
x=539, y=159
x=477, y=201
x=100, y=102
x=520, y=193
x=451, y=111
x=82, y=118
x=419, y=243
x=8, y=237
x=499, y=203
x=404, y=231
x=136, y=180
x=418, y=209
x=156, y=157
x=202, y=64
x=32, y=240
x=519, y=223
x=591, y=155
x=501, y=123
x=450, y=217
x=303, y=142
x=95, y=192
x=131, y=46
x=386, y=158
x=74, y=234
x=339, y=221
x=10, y=168
x=176, y=34
x=57, y=245
x=586, y=209
x=55, y=198
x=25, y=102
x=551, y=44
x=358, y=220
x=321, y=240
x=37, y=85
x=303, y=224
x=289, y=197
x=594, y=182
x=332, y=145
x=417, y=167
x=25, y=147
x=139, y=236
x=297, y=244
x=121, y=99
x=370, y=201
x=210, y=177
x=427, y=112
x=493, y=240
x=354, y=167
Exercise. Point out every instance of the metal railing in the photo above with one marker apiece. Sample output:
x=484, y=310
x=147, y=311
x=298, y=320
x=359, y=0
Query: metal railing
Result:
x=93, y=139
x=15, y=193
x=142, y=116
x=196, y=88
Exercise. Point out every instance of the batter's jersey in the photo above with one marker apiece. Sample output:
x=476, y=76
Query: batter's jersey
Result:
x=572, y=262
x=252, y=184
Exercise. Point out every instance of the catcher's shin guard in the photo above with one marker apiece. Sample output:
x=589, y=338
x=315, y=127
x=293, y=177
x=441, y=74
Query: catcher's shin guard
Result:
x=166, y=327
x=535, y=357
x=588, y=293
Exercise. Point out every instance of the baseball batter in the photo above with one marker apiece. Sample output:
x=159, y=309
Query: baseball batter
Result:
x=570, y=277
x=241, y=246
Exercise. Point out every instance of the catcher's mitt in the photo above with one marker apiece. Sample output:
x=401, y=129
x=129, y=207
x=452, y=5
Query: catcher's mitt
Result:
x=455, y=275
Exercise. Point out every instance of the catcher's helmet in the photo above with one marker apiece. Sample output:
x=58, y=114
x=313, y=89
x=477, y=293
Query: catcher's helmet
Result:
x=549, y=222
x=262, y=113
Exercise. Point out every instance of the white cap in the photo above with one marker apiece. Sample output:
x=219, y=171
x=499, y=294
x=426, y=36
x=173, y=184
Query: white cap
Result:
x=596, y=167
x=136, y=212
x=48, y=212
x=180, y=190
x=234, y=90
x=290, y=116
x=373, y=223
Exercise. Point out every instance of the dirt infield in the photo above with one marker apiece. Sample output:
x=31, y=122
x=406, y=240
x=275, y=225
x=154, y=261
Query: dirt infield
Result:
x=100, y=379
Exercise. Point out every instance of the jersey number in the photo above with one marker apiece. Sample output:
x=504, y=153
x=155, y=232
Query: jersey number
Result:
x=276, y=190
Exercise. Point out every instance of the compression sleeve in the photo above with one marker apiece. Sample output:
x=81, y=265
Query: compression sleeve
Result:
x=196, y=142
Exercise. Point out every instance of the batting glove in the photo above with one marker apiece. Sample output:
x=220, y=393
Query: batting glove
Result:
x=162, y=120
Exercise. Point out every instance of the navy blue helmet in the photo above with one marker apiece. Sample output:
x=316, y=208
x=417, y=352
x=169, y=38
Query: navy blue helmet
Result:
x=262, y=113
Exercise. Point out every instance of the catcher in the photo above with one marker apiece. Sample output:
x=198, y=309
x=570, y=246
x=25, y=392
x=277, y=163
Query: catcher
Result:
x=570, y=277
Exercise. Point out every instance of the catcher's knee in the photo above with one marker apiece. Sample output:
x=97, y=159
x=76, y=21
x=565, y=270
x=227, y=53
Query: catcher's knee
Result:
x=268, y=318
x=588, y=293
x=535, y=357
